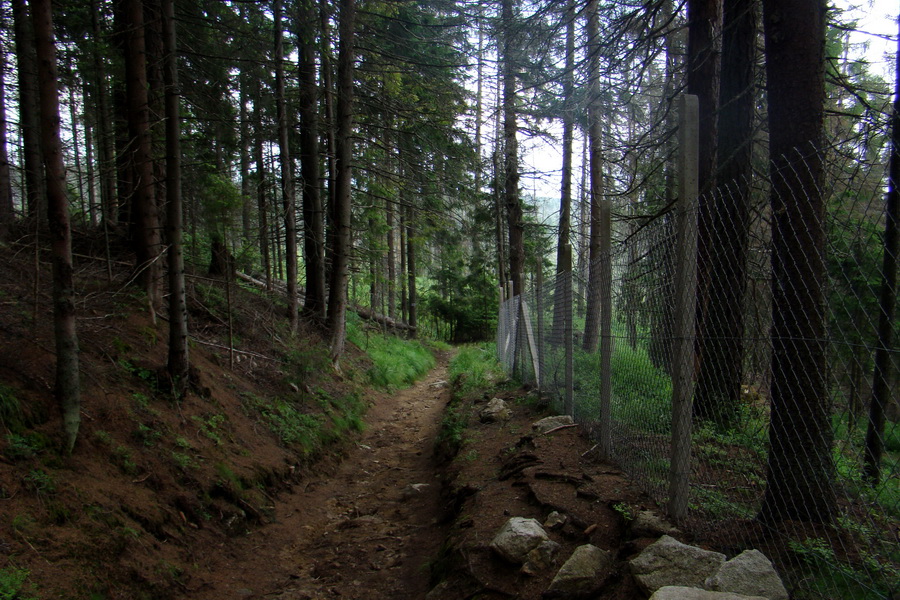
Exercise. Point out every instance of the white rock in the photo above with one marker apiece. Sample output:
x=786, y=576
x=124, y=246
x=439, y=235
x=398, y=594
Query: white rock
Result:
x=517, y=538
x=548, y=423
x=673, y=592
x=578, y=575
x=496, y=410
x=669, y=562
x=749, y=573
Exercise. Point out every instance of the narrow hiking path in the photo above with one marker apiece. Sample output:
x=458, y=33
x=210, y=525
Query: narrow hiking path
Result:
x=365, y=529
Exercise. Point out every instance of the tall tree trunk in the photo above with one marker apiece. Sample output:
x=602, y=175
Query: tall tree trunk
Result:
x=411, y=272
x=144, y=210
x=178, y=363
x=718, y=391
x=7, y=214
x=287, y=174
x=337, y=300
x=68, y=388
x=800, y=471
x=73, y=118
x=391, y=260
x=563, y=246
x=29, y=112
x=246, y=183
x=313, y=211
x=261, y=204
x=106, y=159
x=89, y=155
x=511, y=196
x=881, y=384
x=327, y=76
x=598, y=212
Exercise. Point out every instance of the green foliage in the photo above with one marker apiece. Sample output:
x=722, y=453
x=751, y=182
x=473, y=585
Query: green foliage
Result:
x=641, y=392
x=292, y=426
x=12, y=582
x=211, y=427
x=841, y=579
x=28, y=445
x=475, y=369
x=11, y=415
x=396, y=362
x=40, y=482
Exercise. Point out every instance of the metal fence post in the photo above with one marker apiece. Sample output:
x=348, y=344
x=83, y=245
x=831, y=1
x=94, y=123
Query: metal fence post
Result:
x=685, y=307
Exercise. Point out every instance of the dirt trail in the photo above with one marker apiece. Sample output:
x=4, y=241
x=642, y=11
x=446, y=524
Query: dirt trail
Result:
x=365, y=530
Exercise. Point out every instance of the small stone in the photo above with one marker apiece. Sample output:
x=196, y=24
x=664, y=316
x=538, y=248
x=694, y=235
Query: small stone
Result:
x=548, y=423
x=580, y=574
x=496, y=410
x=542, y=558
x=413, y=490
x=749, y=573
x=555, y=520
x=517, y=538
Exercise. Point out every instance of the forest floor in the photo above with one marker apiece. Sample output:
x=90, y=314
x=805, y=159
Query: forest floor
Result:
x=275, y=477
x=366, y=529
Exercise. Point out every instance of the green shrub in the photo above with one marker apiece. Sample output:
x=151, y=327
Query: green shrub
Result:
x=12, y=580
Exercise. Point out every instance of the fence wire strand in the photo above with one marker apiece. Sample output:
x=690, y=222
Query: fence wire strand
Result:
x=855, y=553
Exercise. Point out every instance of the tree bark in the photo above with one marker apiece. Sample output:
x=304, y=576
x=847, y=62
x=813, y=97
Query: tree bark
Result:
x=29, y=111
x=144, y=210
x=106, y=160
x=337, y=300
x=511, y=196
x=261, y=204
x=7, y=214
x=178, y=362
x=68, y=389
x=313, y=211
x=718, y=391
x=887, y=303
x=411, y=272
x=563, y=247
x=598, y=213
x=800, y=470
x=287, y=173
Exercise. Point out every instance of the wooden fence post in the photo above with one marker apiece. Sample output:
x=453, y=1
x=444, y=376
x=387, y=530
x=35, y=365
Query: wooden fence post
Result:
x=685, y=307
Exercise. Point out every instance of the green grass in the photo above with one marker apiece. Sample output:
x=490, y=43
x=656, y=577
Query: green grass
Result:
x=475, y=368
x=12, y=581
x=396, y=362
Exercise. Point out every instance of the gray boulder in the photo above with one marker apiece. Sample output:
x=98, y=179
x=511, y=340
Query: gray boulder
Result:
x=673, y=592
x=548, y=423
x=668, y=562
x=496, y=410
x=749, y=573
x=517, y=538
x=648, y=524
x=579, y=574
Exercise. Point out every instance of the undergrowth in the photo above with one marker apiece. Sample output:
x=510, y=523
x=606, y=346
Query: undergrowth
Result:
x=395, y=362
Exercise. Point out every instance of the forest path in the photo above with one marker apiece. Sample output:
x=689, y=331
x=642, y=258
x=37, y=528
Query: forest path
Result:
x=365, y=530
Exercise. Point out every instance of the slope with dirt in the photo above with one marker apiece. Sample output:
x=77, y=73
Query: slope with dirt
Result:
x=367, y=529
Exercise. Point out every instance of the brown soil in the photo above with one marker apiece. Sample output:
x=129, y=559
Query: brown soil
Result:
x=366, y=529
x=199, y=499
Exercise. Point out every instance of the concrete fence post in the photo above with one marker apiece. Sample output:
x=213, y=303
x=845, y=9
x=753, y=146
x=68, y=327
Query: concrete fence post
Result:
x=685, y=306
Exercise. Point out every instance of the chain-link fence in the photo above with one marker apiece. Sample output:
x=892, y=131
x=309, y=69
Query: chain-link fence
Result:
x=786, y=357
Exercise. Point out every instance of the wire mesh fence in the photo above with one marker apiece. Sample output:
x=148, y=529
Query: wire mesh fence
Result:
x=786, y=349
